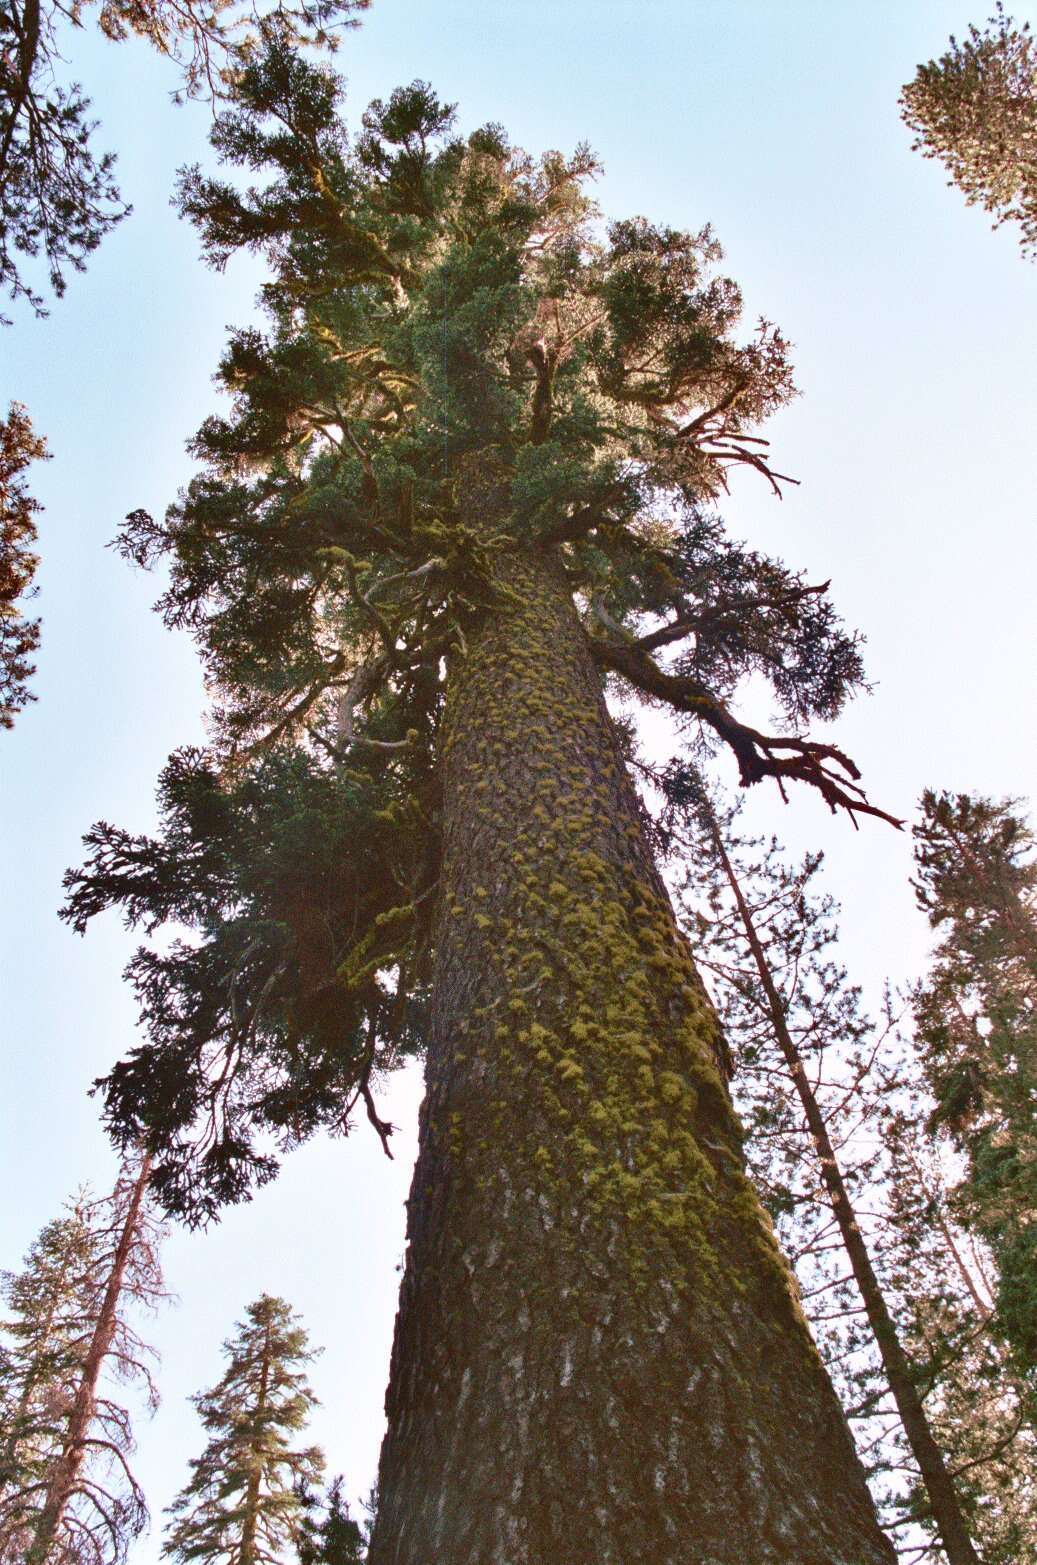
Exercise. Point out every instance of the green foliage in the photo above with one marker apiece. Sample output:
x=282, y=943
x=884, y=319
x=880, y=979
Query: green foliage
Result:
x=244, y=1501
x=332, y=1537
x=439, y=307
x=976, y=110
x=305, y=889
x=58, y=197
x=19, y=637
x=940, y=1277
x=975, y=1018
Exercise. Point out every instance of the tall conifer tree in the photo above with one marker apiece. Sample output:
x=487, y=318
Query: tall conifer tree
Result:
x=767, y=941
x=976, y=1020
x=243, y=1504
x=466, y=479
x=67, y=1492
x=47, y=1321
x=331, y=1536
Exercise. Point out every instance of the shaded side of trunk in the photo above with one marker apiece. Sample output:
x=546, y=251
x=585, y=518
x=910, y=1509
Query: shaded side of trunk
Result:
x=69, y=1465
x=599, y=1354
x=938, y=1483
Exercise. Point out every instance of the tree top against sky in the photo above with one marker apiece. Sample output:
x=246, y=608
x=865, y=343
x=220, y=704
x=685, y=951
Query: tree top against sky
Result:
x=445, y=311
x=975, y=109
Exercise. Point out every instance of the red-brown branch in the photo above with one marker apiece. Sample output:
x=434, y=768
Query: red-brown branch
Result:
x=785, y=758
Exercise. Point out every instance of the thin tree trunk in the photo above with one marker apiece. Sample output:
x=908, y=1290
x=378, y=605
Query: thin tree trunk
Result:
x=69, y=1464
x=599, y=1357
x=938, y=1483
x=984, y=1308
x=250, y=1522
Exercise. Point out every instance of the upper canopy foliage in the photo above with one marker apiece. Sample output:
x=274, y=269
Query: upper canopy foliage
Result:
x=432, y=300
x=975, y=109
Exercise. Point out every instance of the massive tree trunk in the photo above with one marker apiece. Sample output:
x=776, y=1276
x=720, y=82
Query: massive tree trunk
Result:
x=599, y=1355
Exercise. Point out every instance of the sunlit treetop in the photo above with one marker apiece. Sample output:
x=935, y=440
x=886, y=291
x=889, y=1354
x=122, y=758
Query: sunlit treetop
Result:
x=19, y=636
x=440, y=306
x=975, y=109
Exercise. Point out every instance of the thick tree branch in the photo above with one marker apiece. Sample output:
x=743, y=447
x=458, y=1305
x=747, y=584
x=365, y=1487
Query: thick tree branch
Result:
x=733, y=611
x=823, y=766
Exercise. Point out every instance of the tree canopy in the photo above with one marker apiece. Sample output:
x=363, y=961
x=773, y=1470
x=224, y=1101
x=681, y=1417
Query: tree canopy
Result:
x=975, y=109
x=439, y=305
x=58, y=195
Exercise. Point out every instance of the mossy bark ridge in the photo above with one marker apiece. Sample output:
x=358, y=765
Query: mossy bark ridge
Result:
x=593, y=1303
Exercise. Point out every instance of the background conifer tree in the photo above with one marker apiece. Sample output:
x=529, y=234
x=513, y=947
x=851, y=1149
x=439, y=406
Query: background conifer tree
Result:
x=244, y=1503
x=941, y=1279
x=331, y=1536
x=767, y=940
x=838, y=1147
x=58, y=197
x=67, y=1492
x=19, y=636
x=466, y=477
x=976, y=1021
x=47, y=1321
x=975, y=109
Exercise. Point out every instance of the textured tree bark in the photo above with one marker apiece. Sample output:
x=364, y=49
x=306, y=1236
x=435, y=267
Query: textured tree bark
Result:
x=599, y=1354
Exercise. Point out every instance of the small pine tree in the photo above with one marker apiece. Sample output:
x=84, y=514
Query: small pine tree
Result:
x=975, y=109
x=331, y=1537
x=942, y=1281
x=245, y=1499
x=835, y=1110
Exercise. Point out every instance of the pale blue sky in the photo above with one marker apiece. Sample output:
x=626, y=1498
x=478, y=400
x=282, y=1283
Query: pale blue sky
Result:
x=915, y=338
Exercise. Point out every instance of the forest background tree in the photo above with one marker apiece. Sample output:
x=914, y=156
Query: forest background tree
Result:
x=40, y=1356
x=19, y=636
x=466, y=476
x=245, y=1500
x=975, y=1020
x=883, y=1182
x=975, y=109
x=330, y=1535
x=66, y=1488
x=779, y=970
x=939, y=1276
